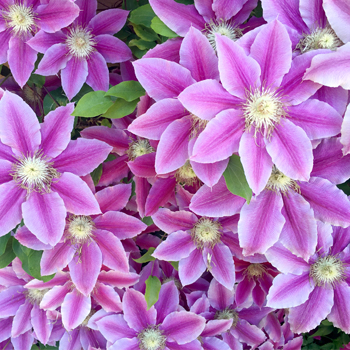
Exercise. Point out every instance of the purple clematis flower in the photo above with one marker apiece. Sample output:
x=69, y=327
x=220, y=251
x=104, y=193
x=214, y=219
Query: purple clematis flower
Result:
x=262, y=110
x=20, y=20
x=324, y=281
x=40, y=169
x=162, y=326
x=82, y=50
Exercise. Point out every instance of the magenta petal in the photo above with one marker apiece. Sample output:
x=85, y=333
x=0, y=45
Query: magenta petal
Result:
x=107, y=297
x=23, y=341
x=248, y=333
x=9, y=278
x=260, y=223
x=345, y=135
x=5, y=328
x=219, y=296
x=75, y=309
x=77, y=197
x=177, y=246
x=126, y=344
x=210, y=173
x=118, y=279
x=272, y=49
x=238, y=72
x=19, y=127
x=244, y=289
x=168, y=300
x=55, y=297
x=161, y=78
x=21, y=321
x=41, y=324
x=312, y=12
x=44, y=215
x=71, y=340
x=5, y=38
x=289, y=290
x=11, y=198
x=56, y=130
x=309, y=315
x=193, y=345
x=291, y=150
x=112, y=49
x=191, y=268
x=74, y=76
x=234, y=343
x=135, y=311
x=5, y=171
x=87, y=11
x=108, y=21
x=212, y=343
x=10, y=300
x=216, y=201
x=114, y=198
x=256, y=162
x=42, y=41
x=55, y=59
x=182, y=327
x=57, y=258
x=85, y=267
x=220, y=139
x=216, y=327
x=143, y=166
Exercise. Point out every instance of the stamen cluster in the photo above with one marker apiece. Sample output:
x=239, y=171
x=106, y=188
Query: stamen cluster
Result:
x=327, y=270
x=151, y=339
x=206, y=232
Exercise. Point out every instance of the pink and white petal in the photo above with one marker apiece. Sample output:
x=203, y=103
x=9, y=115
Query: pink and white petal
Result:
x=8, y=278
x=161, y=78
x=113, y=253
x=144, y=166
x=135, y=311
x=216, y=327
x=178, y=17
x=11, y=299
x=256, y=162
x=318, y=119
x=331, y=69
x=272, y=49
x=85, y=267
x=73, y=76
x=6, y=153
x=177, y=246
x=204, y=8
x=71, y=340
x=290, y=290
x=111, y=48
x=77, y=197
x=226, y=9
x=207, y=98
x=216, y=201
x=5, y=38
x=42, y=326
x=301, y=240
x=261, y=223
x=5, y=328
x=107, y=297
x=234, y=343
x=121, y=225
x=42, y=41
x=345, y=132
x=312, y=12
x=108, y=21
x=340, y=313
x=171, y=221
x=291, y=150
x=118, y=279
x=11, y=198
x=198, y=56
x=182, y=327
x=248, y=333
x=59, y=279
x=21, y=322
x=168, y=300
x=335, y=97
x=329, y=203
x=220, y=138
x=210, y=173
x=172, y=150
x=20, y=128
x=168, y=50
x=244, y=290
x=75, y=308
x=238, y=72
x=55, y=297
x=193, y=345
x=126, y=344
x=114, y=198
x=56, y=130
x=56, y=14
x=55, y=59
x=88, y=10
x=23, y=341
x=57, y=258
x=21, y=69
x=309, y=315
x=98, y=77
x=191, y=268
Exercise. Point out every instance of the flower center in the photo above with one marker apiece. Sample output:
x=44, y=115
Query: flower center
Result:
x=321, y=38
x=206, y=232
x=327, y=270
x=139, y=148
x=35, y=296
x=151, y=339
x=198, y=125
x=80, y=42
x=280, y=182
x=80, y=228
x=227, y=314
x=34, y=173
x=185, y=175
x=255, y=271
x=224, y=28
x=20, y=18
x=263, y=109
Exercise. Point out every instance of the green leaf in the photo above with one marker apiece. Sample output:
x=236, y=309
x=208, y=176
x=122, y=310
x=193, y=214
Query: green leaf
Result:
x=323, y=331
x=175, y=265
x=142, y=15
x=8, y=254
x=146, y=257
x=159, y=27
x=3, y=242
x=142, y=44
x=145, y=33
x=147, y=220
x=326, y=323
x=236, y=181
x=106, y=122
x=137, y=52
x=127, y=90
x=83, y=91
x=186, y=2
x=152, y=290
x=92, y=104
x=120, y=109
x=36, y=79
x=96, y=175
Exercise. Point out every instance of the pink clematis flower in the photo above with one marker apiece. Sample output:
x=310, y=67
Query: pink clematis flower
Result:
x=40, y=169
x=82, y=50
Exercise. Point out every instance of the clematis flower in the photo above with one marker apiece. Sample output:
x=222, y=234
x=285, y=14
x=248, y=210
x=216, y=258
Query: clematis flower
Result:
x=82, y=50
x=40, y=169
x=303, y=286
x=262, y=110
x=20, y=20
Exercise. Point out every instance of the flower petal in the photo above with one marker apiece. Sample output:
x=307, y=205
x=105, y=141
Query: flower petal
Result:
x=98, y=77
x=191, y=268
x=109, y=21
x=111, y=48
x=42, y=326
x=107, y=297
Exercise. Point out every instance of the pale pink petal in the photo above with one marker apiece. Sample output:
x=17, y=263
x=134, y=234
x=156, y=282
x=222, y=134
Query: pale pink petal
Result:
x=42, y=41
x=168, y=300
x=108, y=21
x=219, y=296
x=312, y=13
x=212, y=343
x=55, y=297
x=144, y=166
x=226, y=9
x=5, y=328
x=5, y=38
x=23, y=341
x=21, y=321
x=126, y=344
x=210, y=173
x=216, y=327
x=98, y=77
x=335, y=97
x=248, y=333
x=11, y=299
x=114, y=198
x=42, y=326
x=191, y=268
x=107, y=297
x=118, y=279
x=234, y=343
x=71, y=340
x=345, y=132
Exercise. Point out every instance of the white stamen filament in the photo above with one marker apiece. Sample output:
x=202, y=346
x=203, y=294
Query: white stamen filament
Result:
x=80, y=228
x=139, y=148
x=206, y=232
x=20, y=18
x=80, y=42
x=35, y=296
x=278, y=182
x=151, y=339
x=326, y=270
